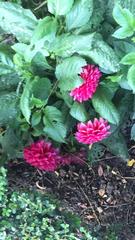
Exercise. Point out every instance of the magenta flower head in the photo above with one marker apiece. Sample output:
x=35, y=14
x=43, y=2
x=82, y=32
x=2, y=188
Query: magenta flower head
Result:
x=91, y=76
x=92, y=132
x=42, y=155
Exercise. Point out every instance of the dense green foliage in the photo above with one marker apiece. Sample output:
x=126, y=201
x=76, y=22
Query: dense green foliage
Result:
x=43, y=49
x=34, y=216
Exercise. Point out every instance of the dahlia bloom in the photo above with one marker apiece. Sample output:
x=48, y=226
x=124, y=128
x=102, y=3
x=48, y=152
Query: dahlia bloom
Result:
x=90, y=75
x=92, y=132
x=42, y=155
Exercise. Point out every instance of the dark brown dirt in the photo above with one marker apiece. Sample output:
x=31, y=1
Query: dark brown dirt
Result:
x=102, y=195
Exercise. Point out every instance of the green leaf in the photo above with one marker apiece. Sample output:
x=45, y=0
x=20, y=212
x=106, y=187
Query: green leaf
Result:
x=17, y=20
x=133, y=132
x=123, y=17
x=59, y=7
x=36, y=118
x=124, y=106
x=5, y=69
x=25, y=101
x=67, y=99
x=10, y=143
x=8, y=107
x=6, y=60
x=78, y=112
x=54, y=126
x=131, y=77
x=103, y=55
x=41, y=88
x=80, y=14
x=68, y=71
x=96, y=18
x=96, y=152
x=46, y=29
x=40, y=64
x=129, y=59
x=115, y=79
x=116, y=145
x=123, y=32
x=111, y=88
x=66, y=45
x=35, y=102
x=30, y=51
x=9, y=81
x=104, y=106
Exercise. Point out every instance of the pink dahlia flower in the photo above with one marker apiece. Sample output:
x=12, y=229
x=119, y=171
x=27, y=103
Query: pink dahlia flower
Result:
x=42, y=155
x=92, y=132
x=90, y=75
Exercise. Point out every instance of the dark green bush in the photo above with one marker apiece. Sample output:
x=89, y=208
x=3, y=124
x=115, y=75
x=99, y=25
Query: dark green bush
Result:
x=35, y=216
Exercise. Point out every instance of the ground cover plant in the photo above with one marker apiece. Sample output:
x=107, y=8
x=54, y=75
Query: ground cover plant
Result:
x=25, y=215
x=67, y=87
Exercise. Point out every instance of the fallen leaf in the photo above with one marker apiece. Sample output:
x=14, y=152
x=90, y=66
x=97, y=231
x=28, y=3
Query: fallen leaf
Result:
x=101, y=192
x=100, y=171
x=131, y=163
x=99, y=209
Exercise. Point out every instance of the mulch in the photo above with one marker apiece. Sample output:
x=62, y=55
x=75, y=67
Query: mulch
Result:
x=102, y=194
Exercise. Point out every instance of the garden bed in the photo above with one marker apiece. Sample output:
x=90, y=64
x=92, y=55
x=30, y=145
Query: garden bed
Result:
x=102, y=195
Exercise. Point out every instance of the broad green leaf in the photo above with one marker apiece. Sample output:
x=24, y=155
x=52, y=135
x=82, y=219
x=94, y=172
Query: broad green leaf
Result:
x=104, y=106
x=115, y=79
x=131, y=77
x=40, y=64
x=41, y=88
x=5, y=69
x=68, y=71
x=54, y=126
x=10, y=143
x=124, y=106
x=67, y=98
x=46, y=29
x=9, y=81
x=129, y=59
x=123, y=17
x=80, y=14
x=36, y=102
x=128, y=4
x=36, y=118
x=8, y=107
x=25, y=101
x=116, y=145
x=78, y=112
x=66, y=45
x=17, y=20
x=133, y=132
x=103, y=55
x=59, y=7
x=6, y=60
x=30, y=51
x=96, y=18
x=6, y=55
x=110, y=88
x=123, y=32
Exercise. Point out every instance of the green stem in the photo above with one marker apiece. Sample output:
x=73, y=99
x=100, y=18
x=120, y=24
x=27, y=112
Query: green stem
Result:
x=41, y=5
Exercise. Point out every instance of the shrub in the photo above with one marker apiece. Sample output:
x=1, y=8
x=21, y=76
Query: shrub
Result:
x=65, y=68
x=35, y=216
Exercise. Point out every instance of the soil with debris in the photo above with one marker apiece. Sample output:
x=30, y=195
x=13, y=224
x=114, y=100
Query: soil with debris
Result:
x=103, y=194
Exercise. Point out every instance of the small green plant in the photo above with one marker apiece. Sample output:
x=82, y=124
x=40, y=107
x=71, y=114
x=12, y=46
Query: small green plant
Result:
x=35, y=216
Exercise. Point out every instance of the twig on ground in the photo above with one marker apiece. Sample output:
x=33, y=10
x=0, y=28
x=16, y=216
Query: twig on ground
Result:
x=88, y=200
